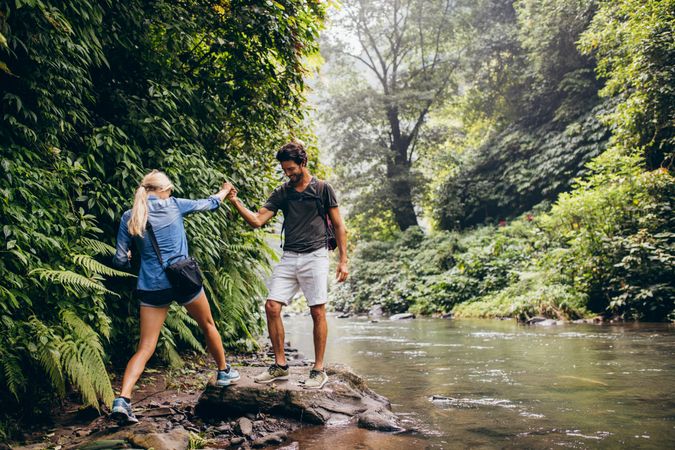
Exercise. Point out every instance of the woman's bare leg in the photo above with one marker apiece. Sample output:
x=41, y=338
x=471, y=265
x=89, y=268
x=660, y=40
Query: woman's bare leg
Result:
x=201, y=311
x=152, y=320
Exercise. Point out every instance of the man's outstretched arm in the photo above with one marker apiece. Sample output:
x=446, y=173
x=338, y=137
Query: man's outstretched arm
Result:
x=255, y=219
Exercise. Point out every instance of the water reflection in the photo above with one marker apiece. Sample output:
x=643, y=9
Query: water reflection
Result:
x=509, y=386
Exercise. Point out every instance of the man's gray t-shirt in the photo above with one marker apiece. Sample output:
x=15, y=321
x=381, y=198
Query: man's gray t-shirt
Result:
x=305, y=230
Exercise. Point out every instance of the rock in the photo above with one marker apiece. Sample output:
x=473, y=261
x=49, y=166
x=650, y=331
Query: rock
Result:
x=224, y=428
x=448, y=315
x=402, y=316
x=292, y=446
x=176, y=439
x=159, y=412
x=376, y=311
x=270, y=439
x=379, y=420
x=546, y=323
x=344, y=397
x=344, y=315
x=237, y=440
x=103, y=444
x=535, y=319
x=244, y=426
x=219, y=443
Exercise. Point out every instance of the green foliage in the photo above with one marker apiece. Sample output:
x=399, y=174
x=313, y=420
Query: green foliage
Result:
x=605, y=248
x=634, y=44
x=528, y=117
x=517, y=170
x=430, y=274
x=94, y=95
x=531, y=296
x=615, y=229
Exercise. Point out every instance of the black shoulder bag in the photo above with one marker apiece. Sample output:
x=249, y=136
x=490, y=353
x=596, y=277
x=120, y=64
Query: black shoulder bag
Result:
x=184, y=276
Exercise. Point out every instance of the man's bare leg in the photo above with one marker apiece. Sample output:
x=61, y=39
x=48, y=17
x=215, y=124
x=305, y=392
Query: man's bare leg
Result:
x=320, y=334
x=275, y=327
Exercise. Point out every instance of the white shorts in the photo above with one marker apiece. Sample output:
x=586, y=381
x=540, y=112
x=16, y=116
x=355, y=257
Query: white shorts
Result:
x=306, y=271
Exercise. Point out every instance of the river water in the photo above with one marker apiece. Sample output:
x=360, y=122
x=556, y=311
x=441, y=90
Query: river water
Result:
x=505, y=385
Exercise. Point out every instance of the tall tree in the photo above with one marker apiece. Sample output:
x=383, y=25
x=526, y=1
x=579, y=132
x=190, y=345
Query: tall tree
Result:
x=396, y=62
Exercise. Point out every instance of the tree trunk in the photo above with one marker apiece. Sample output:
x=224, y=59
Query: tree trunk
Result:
x=398, y=175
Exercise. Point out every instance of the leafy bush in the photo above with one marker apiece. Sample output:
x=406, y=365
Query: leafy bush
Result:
x=430, y=274
x=615, y=230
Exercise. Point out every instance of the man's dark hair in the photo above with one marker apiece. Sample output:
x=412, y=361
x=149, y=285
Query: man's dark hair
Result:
x=293, y=151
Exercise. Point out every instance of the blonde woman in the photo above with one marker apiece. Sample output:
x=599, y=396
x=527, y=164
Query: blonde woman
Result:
x=156, y=211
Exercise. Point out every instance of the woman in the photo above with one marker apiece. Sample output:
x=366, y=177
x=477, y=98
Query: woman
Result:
x=154, y=206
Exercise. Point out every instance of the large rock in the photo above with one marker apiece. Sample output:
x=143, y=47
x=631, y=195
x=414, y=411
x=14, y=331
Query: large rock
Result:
x=376, y=311
x=402, y=316
x=345, y=398
x=176, y=439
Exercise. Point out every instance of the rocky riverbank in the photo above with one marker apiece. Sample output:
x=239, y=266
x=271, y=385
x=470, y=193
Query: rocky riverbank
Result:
x=184, y=409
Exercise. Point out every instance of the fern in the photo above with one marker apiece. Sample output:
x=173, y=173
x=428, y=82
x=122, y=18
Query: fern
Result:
x=79, y=283
x=97, y=247
x=13, y=374
x=83, y=360
x=96, y=267
x=167, y=347
x=80, y=329
x=179, y=322
x=48, y=355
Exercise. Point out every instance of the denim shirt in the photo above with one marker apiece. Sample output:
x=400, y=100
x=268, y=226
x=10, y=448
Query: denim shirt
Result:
x=166, y=218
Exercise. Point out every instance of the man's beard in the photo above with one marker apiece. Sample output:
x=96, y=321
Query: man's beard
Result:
x=295, y=179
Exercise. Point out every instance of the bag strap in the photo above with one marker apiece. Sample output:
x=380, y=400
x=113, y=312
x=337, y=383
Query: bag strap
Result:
x=155, y=245
x=320, y=204
x=284, y=201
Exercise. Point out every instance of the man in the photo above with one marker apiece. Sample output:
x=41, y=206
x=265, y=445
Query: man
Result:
x=304, y=264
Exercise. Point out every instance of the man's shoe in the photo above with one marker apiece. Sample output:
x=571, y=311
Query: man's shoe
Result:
x=316, y=380
x=227, y=376
x=121, y=412
x=274, y=372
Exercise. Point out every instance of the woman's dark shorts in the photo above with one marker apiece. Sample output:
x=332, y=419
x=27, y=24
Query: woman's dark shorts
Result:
x=164, y=297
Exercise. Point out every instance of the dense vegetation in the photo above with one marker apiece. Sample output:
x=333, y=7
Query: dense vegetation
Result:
x=562, y=133
x=95, y=93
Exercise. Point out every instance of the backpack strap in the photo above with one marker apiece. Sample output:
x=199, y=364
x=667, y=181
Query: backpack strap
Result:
x=284, y=201
x=321, y=205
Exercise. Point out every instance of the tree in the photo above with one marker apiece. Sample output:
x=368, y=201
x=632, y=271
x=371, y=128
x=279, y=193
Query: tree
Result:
x=395, y=62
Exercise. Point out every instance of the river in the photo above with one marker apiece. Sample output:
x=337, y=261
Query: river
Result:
x=505, y=385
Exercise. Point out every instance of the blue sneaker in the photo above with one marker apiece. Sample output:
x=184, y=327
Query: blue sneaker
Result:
x=227, y=376
x=121, y=412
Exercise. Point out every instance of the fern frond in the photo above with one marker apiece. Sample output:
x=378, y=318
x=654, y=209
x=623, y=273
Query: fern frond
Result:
x=78, y=374
x=168, y=350
x=68, y=278
x=179, y=322
x=97, y=247
x=80, y=329
x=47, y=343
x=98, y=268
x=13, y=374
x=83, y=360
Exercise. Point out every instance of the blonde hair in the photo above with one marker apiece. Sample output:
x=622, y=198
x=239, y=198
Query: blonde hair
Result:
x=155, y=181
